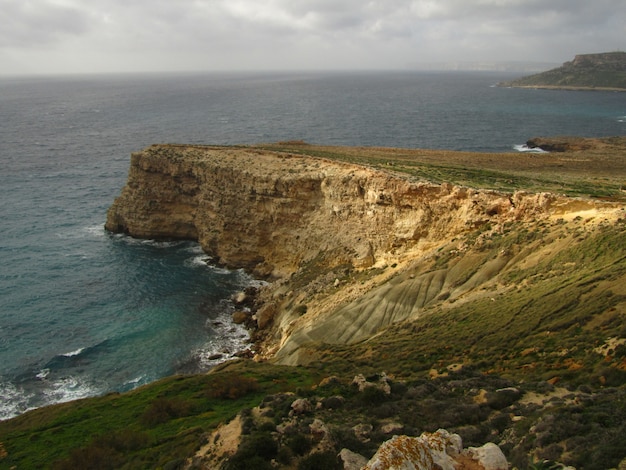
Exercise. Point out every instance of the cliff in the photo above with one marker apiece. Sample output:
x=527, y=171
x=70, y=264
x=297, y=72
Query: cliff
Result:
x=272, y=212
x=603, y=71
x=327, y=232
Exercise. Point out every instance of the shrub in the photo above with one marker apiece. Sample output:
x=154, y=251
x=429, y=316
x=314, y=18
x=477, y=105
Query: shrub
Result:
x=319, y=460
x=164, y=409
x=299, y=444
x=231, y=386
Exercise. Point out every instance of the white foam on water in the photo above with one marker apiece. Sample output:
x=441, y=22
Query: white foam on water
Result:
x=526, y=149
x=142, y=379
x=199, y=261
x=229, y=339
x=73, y=353
x=13, y=401
x=68, y=389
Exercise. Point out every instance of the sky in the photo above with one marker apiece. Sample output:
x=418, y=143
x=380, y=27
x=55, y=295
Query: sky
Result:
x=102, y=36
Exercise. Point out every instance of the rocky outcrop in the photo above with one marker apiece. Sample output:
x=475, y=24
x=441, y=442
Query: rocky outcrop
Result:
x=438, y=450
x=575, y=144
x=272, y=212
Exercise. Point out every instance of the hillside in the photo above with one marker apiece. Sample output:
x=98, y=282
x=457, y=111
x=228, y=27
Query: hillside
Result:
x=480, y=293
x=604, y=71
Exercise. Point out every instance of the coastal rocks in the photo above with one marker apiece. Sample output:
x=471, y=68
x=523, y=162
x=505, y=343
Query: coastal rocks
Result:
x=438, y=450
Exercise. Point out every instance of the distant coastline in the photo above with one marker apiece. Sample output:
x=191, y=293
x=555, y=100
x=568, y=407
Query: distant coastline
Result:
x=587, y=72
x=560, y=87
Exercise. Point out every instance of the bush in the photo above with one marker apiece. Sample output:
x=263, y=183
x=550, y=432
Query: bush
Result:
x=105, y=452
x=299, y=444
x=320, y=460
x=231, y=386
x=373, y=396
x=164, y=409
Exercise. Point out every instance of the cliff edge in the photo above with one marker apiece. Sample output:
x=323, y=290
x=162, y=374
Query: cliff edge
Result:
x=351, y=249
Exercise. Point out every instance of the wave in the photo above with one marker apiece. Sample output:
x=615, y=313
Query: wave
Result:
x=13, y=400
x=76, y=357
x=73, y=353
x=145, y=242
x=621, y=119
x=199, y=261
x=67, y=389
x=526, y=149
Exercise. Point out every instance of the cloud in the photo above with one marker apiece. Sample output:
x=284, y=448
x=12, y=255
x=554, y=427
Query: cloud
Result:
x=35, y=23
x=191, y=34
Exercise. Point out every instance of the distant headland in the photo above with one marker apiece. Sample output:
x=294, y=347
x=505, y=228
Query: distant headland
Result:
x=603, y=71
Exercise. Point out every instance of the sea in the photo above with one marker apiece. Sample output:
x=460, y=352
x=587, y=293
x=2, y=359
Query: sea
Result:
x=84, y=312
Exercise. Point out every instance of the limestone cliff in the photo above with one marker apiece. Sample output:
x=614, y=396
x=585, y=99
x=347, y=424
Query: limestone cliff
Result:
x=271, y=212
x=305, y=221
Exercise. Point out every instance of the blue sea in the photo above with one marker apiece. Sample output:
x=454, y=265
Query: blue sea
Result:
x=85, y=312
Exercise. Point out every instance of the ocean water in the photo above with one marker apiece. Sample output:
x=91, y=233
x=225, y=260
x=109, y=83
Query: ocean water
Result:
x=85, y=312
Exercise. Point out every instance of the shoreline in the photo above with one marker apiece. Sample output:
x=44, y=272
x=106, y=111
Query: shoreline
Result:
x=561, y=87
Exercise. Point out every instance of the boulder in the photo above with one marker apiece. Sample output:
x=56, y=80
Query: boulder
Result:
x=489, y=456
x=240, y=317
x=435, y=451
x=301, y=406
x=430, y=451
x=352, y=460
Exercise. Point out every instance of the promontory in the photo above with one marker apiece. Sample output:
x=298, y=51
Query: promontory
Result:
x=602, y=71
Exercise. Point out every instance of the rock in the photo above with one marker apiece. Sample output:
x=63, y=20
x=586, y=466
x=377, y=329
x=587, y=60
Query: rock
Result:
x=489, y=456
x=352, y=460
x=383, y=383
x=319, y=430
x=430, y=451
x=435, y=451
x=392, y=428
x=265, y=316
x=362, y=432
x=240, y=317
x=239, y=298
x=301, y=406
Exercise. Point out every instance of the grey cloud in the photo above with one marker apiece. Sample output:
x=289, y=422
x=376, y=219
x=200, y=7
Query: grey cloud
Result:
x=318, y=33
x=38, y=23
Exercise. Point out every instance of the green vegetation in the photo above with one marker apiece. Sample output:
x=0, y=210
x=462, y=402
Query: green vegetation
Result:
x=151, y=427
x=596, y=172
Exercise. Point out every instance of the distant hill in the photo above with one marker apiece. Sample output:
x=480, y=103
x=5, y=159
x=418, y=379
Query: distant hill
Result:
x=604, y=71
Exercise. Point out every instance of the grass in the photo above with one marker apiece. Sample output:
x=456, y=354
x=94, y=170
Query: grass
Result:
x=146, y=428
x=597, y=173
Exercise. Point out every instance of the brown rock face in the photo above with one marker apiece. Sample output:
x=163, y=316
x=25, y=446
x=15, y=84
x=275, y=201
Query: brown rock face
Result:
x=271, y=212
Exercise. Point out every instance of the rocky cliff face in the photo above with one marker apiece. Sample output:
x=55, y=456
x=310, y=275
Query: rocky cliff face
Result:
x=305, y=222
x=272, y=212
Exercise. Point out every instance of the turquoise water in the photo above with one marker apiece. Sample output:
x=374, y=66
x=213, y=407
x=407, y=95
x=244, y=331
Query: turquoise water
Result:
x=85, y=312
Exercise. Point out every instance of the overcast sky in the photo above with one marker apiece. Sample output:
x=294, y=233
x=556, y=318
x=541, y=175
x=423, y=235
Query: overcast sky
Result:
x=78, y=36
